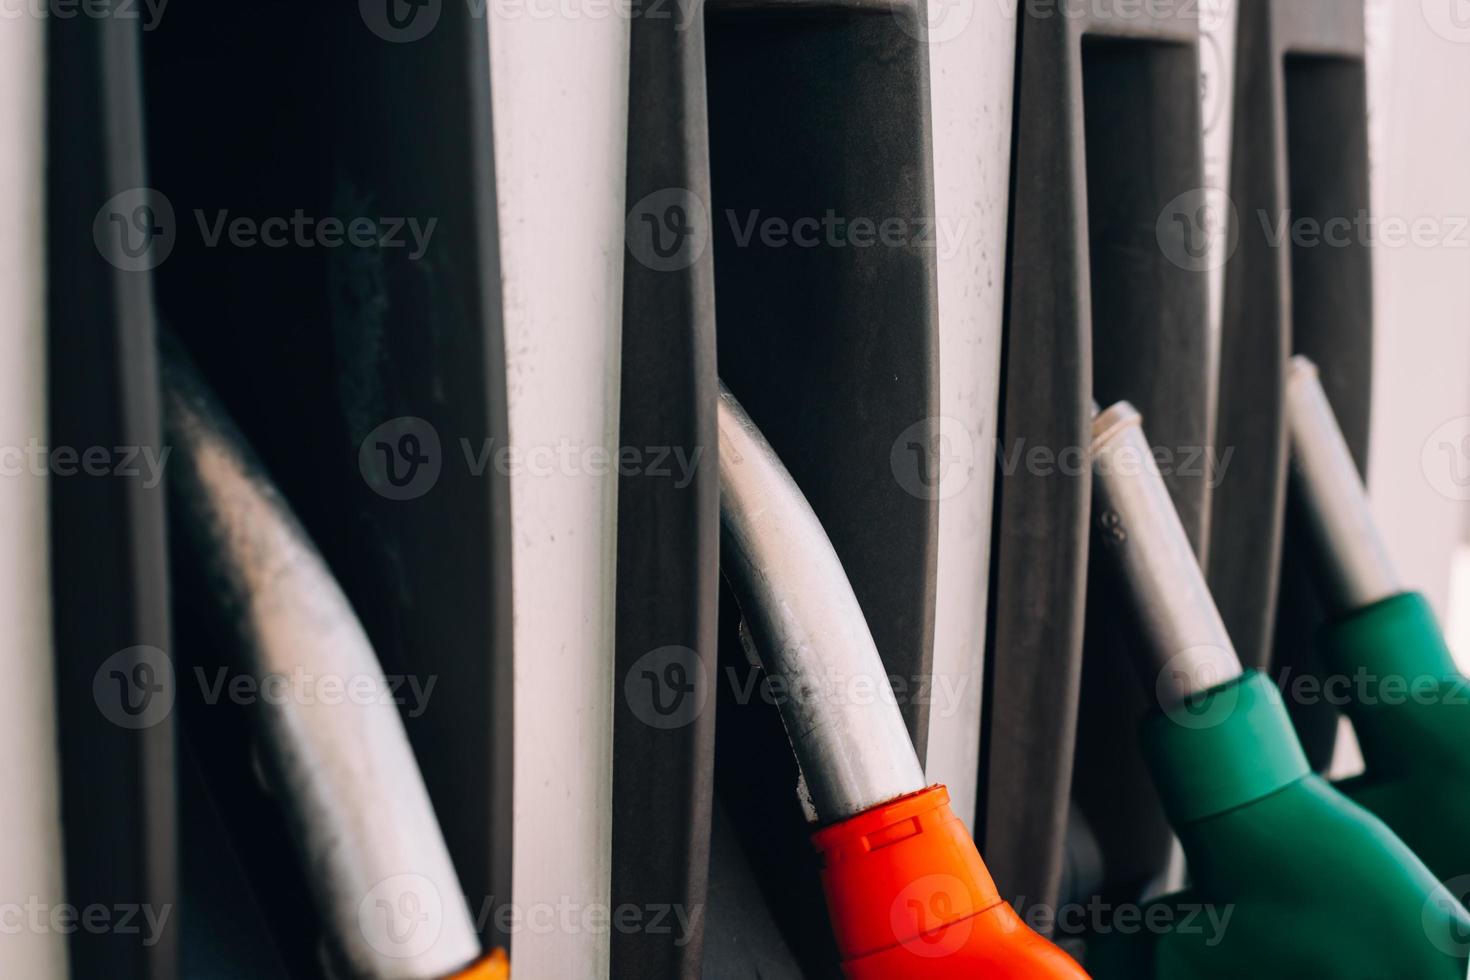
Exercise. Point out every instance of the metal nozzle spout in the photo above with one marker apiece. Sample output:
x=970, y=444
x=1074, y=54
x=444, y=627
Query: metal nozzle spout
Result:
x=343, y=769
x=854, y=752
x=1329, y=494
x=1186, y=650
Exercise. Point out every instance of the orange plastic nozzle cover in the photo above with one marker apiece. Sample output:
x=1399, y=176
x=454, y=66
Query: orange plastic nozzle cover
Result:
x=495, y=966
x=910, y=897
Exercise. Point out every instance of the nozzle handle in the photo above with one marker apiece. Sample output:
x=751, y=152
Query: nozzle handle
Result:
x=910, y=897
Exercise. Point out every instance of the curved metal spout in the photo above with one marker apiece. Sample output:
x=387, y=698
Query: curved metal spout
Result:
x=1186, y=649
x=1345, y=542
x=342, y=768
x=839, y=709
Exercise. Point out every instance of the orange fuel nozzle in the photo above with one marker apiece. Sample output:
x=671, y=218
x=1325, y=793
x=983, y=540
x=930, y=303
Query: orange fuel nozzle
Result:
x=909, y=896
x=495, y=966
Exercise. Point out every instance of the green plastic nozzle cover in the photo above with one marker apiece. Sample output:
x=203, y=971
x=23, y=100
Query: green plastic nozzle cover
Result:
x=1291, y=879
x=1410, y=707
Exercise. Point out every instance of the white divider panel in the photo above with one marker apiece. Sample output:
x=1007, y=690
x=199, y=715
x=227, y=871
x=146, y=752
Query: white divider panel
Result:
x=972, y=58
x=30, y=810
x=559, y=87
x=1419, y=139
x=1218, y=20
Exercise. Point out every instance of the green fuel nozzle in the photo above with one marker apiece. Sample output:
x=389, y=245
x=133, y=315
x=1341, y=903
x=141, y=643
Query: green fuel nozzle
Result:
x=1300, y=880
x=1408, y=701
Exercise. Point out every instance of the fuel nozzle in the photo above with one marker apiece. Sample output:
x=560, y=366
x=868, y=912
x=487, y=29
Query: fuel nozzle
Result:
x=809, y=629
x=1407, y=698
x=1184, y=649
x=342, y=769
x=1311, y=878
x=907, y=892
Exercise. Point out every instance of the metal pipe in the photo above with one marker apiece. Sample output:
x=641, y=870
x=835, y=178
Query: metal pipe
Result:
x=1330, y=497
x=839, y=710
x=1186, y=649
x=342, y=769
